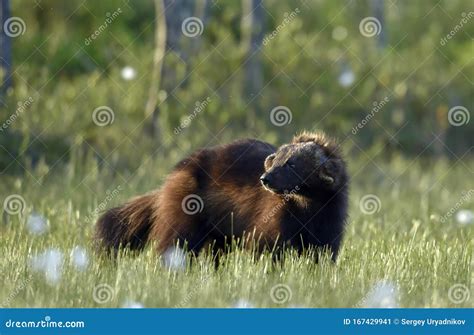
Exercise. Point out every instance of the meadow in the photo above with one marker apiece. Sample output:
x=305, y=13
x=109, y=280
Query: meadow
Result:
x=101, y=99
x=401, y=248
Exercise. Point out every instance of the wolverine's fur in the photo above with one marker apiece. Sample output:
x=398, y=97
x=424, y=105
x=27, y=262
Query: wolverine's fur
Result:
x=302, y=204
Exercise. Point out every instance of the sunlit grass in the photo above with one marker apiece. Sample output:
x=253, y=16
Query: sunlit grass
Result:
x=403, y=244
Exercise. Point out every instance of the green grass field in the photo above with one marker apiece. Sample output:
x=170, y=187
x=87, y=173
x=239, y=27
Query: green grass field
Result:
x=405, y=247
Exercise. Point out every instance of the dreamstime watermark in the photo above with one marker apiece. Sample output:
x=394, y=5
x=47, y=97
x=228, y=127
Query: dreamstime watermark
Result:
x=286, y=197
x=110, y=195
x=370, y=204
x=22, y=106
x=286, y=21
x=110, y=17
x=22, y=285
x=103, y=116
x=464, y=20
x=377, y=106
x=466, y=196
x=281, y=293
x=458, y=116
x=185, y=301
x=280, y=116
x=14, y=204
x=46, y=323
x=199, y=107
x=14, y=26
x=459, y=293
x=370, y=26
x=192, y=204
x=103, y=293
x=192, y=27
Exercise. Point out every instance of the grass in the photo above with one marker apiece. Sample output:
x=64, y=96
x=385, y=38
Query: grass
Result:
x=404, y=243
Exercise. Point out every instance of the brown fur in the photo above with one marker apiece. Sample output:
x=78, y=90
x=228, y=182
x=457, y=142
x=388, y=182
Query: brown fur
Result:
x=304, y=206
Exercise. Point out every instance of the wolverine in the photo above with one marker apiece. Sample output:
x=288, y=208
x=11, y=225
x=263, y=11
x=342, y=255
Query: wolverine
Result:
x=294, y=196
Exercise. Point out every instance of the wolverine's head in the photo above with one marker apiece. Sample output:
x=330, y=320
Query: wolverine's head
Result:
x=311, y=165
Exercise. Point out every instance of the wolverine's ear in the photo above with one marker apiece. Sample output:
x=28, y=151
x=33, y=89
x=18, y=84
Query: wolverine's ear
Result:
x=326, y=178
x=328, y=172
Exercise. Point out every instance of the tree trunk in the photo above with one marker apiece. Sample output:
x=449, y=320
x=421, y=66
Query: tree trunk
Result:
x=152, y=108
x=5, y=51
x=185, y=47
x=378, y=12
x=252, y=25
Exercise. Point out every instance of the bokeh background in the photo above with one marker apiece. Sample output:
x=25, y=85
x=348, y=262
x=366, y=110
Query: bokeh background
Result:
x=316, y=58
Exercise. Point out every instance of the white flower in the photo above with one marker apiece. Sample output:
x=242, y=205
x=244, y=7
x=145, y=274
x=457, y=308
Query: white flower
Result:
x=384, y=294
x=132, y=304
x=50, y=264
x=79, y=258
x=242, y=303
x=36, y=224
x=465, y=216
x=128, y=73
x=174, y=259
x=346, y=78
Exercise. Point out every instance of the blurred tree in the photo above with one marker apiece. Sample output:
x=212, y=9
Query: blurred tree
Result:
x=378, y=7
x=177, y=11
x=413, y=62
x=151, y=109
x=252, y=31
x=5, y=50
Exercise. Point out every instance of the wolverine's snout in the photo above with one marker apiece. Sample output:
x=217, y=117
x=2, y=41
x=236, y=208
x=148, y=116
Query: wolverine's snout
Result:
x=265, y=179
x=272, y=182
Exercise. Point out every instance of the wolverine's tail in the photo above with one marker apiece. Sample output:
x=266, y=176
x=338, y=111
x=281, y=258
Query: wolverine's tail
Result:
x=128, y=225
